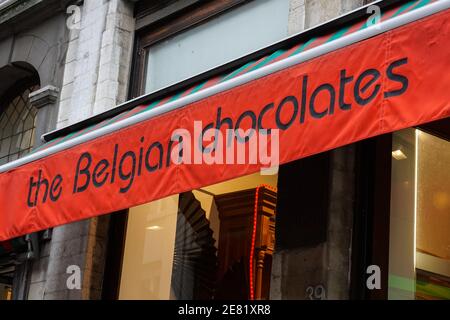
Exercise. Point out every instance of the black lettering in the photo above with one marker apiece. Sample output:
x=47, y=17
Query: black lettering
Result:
x=130, y=175
x=245, y=114
x=375, y=75
x=41, y=182
x=261, y=116
x=114, y=163
x=30, y=193
x=220, y=122
x=294, y=102
x=200, y=139
x=170, y=149
x=148, y=166
x=98, y=172
x=320, y=114
x=397, y=78
x=141, y=152
x=343, y=81
x=84, y=171
x=304, y=99
x=56, y=188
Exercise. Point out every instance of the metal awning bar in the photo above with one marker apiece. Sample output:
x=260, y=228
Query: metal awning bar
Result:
x=238, y=81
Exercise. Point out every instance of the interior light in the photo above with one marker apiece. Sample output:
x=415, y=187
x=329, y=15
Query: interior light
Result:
x=399, y=154
x=154, y=228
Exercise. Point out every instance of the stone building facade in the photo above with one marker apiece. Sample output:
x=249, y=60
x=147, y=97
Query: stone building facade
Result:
x=82, y=52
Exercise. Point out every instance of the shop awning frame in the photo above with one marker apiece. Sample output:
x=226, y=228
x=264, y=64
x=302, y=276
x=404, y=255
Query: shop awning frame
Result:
x=302, y=57
x=326, y=27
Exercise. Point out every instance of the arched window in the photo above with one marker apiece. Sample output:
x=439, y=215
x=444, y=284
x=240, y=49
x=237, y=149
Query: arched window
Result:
x=17, y=126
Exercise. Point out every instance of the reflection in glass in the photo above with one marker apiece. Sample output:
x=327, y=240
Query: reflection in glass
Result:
x=419, y=257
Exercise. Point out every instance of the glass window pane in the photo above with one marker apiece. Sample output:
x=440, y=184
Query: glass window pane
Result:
x=18, y=128
x=13, y=156
x=433, y=196
x=219, y=40
x=419, y=254
x=15, y=143
x=10, y=110
x=4, y=147
x=26, y=140
x=17, y=123
x=148, y=255
x=23, y=152
x=15, y=101
x=401, y=243
x=20, y=106
x=29, y=122
x=8, y=129
x=196, y=245
x=3, y=121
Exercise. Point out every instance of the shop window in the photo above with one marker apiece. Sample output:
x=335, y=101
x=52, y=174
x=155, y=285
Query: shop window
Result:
x=200, y=39
x=206, y=243
x=203, y=244
x=149, y=247
x=17, y=125
x=419, y=257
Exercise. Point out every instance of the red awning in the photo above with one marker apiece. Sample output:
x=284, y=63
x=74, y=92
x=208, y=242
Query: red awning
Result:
x=331, y=90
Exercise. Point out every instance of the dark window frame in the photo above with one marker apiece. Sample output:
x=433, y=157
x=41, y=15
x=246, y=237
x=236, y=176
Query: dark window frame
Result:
x=186, y=18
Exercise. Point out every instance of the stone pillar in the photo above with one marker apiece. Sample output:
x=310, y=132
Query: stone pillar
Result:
x=96, y=73
x=28, y=276
x=98, y=60
x=340, y=222
x=296, y=22
x=319, y=11
x=45, y=100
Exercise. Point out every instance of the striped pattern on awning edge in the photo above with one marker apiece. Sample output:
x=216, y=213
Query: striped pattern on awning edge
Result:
x=248, y=67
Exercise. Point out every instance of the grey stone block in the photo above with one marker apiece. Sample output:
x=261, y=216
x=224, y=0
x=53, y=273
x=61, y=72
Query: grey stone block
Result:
x=58, y=266
x=70, y=231
x=58, y=295
x=36, y=291
x=39, y=271
x=47, y=68
x=22, y=48
x=38, y=52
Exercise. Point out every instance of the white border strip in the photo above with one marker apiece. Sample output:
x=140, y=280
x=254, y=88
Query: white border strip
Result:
x=240, y=80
